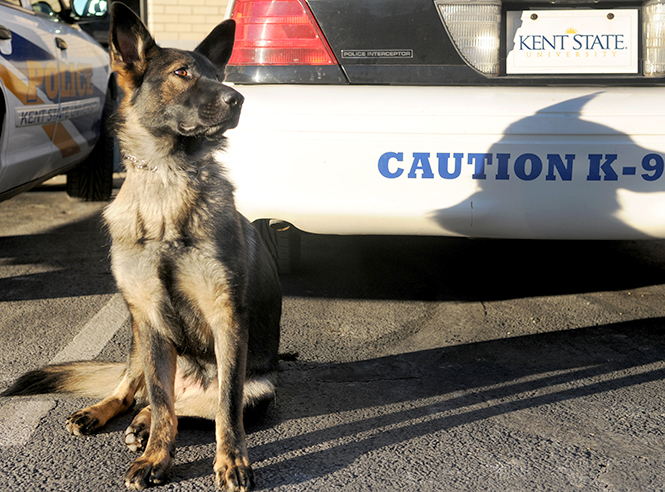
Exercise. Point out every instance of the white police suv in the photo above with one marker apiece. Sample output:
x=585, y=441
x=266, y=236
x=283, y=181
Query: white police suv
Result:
x=54, y=94
x=479, y=118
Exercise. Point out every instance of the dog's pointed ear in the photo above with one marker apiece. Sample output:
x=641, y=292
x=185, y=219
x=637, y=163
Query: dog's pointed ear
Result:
x=218, y=45
x=129, y=41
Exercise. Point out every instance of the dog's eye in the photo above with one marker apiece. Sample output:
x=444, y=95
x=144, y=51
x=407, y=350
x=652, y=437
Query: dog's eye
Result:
x=182, y=72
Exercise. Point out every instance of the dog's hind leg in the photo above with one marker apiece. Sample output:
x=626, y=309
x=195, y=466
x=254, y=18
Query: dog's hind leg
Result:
x=258, y=393
x=137, y=434
x=93, y=418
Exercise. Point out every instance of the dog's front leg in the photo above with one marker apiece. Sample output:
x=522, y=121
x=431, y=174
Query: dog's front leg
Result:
x=159, y=362
x=233, y=471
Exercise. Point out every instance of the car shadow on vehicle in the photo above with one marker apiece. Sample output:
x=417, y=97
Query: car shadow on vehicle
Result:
x=388, y=402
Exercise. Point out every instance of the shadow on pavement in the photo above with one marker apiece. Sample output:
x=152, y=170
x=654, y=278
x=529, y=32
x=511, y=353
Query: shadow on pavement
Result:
x=390, y=401
x=67, y=261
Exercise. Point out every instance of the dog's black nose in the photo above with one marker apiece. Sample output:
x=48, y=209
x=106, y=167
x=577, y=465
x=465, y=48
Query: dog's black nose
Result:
x=233, y=98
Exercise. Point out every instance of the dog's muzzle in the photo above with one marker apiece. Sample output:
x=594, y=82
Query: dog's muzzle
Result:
x=232, y=98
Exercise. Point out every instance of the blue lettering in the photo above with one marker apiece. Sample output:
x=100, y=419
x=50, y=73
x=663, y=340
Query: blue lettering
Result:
x=565, y=171
x=384, y=162
x=479, y=161
x=537, y=42
x=502, y=162
x=443, y=165
x=653, y=163
x=552, y=44
x=521, y=168
x=526, y=167
x=421, y=161
x=596, y=41
x=563, y=38
x=618, y=42
x=595, y=167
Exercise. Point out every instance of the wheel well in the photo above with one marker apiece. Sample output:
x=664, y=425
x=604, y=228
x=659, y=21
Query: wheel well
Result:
x=282, y=241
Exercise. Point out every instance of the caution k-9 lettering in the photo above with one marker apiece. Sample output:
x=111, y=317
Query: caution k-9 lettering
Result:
x=524, y=167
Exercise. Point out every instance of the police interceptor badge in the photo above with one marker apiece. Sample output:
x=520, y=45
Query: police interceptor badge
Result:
x=377, y=53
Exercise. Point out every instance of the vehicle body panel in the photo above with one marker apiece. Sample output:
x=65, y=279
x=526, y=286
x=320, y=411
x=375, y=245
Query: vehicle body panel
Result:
x=84, y=75
x=366, y=160
x=54, y=80
x=416, y=141
x=24, y=154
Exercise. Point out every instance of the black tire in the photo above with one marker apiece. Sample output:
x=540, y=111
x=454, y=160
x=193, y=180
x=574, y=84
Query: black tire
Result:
x=92, y=180
x=283, y=242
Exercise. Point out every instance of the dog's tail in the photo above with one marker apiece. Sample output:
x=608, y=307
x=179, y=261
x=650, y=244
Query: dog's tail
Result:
x=259, y=393
x=88, y=378
x=258, y=390
x=100, y=379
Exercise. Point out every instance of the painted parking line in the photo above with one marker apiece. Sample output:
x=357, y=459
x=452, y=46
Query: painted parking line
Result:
x=19, y=418
x=94, y=336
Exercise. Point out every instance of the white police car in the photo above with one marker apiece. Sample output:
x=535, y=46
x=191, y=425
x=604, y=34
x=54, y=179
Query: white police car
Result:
x=54, y=90
x=479, y=118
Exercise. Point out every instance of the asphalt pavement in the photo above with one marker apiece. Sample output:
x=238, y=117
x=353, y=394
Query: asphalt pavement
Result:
x=423, y=363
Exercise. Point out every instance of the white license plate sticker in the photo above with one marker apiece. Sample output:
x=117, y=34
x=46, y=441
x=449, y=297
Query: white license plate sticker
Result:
x=572, y=41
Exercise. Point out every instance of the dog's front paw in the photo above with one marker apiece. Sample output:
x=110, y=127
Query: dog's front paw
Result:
x=82, y=423
x=145, y=472
x=233, y=474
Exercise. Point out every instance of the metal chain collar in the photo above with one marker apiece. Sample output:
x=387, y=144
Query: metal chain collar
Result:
x=139, y=164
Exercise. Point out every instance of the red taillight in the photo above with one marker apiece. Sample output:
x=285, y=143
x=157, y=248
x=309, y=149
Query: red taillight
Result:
x=278, y=32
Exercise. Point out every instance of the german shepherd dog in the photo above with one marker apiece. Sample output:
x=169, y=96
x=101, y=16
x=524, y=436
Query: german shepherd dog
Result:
x=201, y=287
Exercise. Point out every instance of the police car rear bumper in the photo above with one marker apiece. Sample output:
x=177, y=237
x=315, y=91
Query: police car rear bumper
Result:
x=541, y=163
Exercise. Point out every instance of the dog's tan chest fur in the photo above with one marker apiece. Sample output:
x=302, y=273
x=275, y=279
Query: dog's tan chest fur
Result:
x=134, y=218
